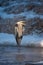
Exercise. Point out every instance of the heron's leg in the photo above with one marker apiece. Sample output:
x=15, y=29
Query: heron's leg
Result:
x=18, y=39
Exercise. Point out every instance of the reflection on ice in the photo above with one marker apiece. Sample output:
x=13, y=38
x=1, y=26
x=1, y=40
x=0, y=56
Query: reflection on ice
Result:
x=21, y=54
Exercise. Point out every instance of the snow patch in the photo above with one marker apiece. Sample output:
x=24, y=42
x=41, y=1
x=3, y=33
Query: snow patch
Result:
x=26, y=40
x=4, y=37
x=40, y=62
x=5, y=15
x=32, y=39
x=1, y=9
x=28, y=15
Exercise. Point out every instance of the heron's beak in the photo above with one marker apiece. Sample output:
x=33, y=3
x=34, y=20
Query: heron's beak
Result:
x=24, y=23
x=21, y=22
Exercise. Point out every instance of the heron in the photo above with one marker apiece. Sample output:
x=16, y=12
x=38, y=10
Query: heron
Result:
x=19, y=30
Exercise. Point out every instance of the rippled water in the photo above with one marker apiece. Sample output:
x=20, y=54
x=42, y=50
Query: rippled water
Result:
x=20, y=55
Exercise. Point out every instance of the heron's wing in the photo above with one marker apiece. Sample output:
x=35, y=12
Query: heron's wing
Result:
x=15, y=31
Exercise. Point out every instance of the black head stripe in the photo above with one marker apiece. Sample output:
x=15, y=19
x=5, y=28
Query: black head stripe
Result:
x=16, y=25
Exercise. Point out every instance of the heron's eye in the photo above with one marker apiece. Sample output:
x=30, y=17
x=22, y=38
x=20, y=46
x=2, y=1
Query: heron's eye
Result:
x=24, y=26
x=16, y=25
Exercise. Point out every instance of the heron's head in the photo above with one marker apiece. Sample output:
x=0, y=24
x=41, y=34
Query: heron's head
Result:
x=22, y=23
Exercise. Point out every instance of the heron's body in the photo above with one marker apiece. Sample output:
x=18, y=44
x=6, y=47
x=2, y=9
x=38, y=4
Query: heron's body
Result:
x=19, y=32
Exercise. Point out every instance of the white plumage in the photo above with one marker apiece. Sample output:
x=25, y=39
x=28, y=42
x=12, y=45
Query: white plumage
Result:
x=19, y=29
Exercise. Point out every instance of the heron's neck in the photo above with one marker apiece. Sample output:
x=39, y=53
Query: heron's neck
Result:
x=20, y=29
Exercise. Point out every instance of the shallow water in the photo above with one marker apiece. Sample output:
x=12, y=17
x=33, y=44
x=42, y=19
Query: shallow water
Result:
x=20, y=55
